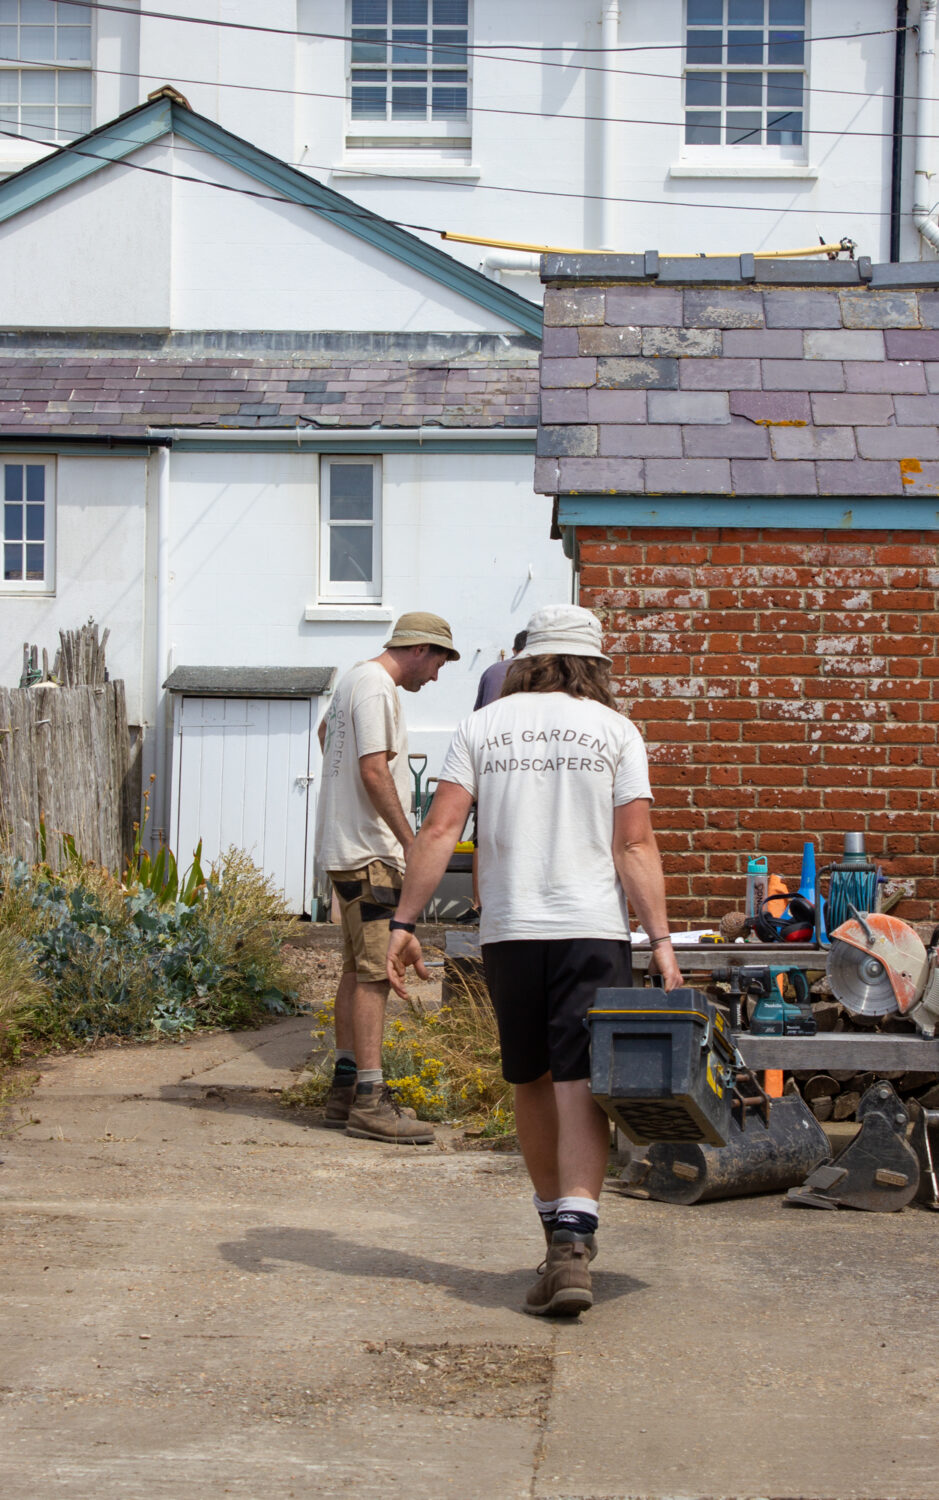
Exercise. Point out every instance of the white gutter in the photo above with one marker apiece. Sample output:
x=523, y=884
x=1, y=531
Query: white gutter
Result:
x=609, y=39
x=515, y=261
x=162, y=809
x=389, y=435
x=923, y=174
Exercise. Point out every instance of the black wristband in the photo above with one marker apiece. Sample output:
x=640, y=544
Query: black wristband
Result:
x=395, y=926
x=654, y=942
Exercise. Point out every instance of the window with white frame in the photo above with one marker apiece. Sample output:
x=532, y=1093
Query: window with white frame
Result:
x=745, y=76
x=27, y=486
x=408, y=73
x=45, y=69
x=350, y=530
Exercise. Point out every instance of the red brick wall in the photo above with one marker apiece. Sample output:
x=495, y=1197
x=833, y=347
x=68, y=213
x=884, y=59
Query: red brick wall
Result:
x=787, y=687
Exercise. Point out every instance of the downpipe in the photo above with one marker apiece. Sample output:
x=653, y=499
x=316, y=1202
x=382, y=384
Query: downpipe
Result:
x=923, y=209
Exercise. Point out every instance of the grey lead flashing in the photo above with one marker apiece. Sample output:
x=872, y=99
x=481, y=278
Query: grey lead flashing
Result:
x=651, y=268
x=487, y=348
x=251, y=682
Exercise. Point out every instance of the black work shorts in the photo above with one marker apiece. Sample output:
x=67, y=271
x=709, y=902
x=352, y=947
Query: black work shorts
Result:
x=541, y=991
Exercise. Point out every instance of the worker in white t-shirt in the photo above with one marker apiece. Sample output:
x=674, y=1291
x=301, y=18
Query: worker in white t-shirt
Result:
x=362, y=841
x=562, y=783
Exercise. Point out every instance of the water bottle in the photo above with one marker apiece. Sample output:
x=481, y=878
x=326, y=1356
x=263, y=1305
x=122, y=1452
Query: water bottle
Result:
x=757, y=884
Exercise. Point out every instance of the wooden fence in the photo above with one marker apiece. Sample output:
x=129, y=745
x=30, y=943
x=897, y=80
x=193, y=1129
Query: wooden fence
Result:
x=65, y=757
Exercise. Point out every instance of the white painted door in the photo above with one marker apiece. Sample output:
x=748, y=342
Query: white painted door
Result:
x=242, y=775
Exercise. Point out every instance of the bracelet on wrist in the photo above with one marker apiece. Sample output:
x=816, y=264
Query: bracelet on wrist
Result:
x=654, y=942
x=395, y=926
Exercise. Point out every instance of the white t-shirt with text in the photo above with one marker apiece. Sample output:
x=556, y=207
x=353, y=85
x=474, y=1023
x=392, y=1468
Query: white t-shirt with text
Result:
x=365, y=716
x=547, y=771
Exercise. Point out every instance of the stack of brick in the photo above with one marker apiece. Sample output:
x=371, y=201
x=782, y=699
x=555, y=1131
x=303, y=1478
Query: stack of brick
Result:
x=786, y=680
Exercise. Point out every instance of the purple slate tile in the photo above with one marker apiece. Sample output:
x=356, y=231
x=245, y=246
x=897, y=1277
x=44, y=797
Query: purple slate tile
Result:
x=752, y=477
x=917, y=411
x=898, y=442
x=871, y=309
x=844, y=343
x=571, y=441
x=682, y=343
x=606, y=474
x=723, y=307
x=547, y=480
x=573, y=307
x=609, y=340
x=719, y=374
x=646, y=306
x=860, y=477
x=771, y=406
x=683, y=476
x=568, y=372
x=851, y=410
x=921, y=478
x=698, y=407
x=932, y=377
x=614, y=373
x=763, y=343
x=889, y=375
x=559, y=342
x=813, y=442
x=802, y=308
x=737, y=439
x=802, y=375
x=640, y=442
x=912, y=343
x=615, y=406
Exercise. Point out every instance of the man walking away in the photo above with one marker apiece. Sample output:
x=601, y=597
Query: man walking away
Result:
x=563, y=789
x=490, y=684
x=362, y=840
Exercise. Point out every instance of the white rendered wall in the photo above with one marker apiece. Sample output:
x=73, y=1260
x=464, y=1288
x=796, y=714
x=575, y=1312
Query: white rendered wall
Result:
x=459, y=534
x=100, y=551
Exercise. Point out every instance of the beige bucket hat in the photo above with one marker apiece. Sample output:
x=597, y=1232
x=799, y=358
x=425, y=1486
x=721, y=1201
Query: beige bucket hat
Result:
x=564, y=630
x=419, y=629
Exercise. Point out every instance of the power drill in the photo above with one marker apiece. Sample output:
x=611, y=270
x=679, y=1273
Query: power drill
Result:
x=774, y=1014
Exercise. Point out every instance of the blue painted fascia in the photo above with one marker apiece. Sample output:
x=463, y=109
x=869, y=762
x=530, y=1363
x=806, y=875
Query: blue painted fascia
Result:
x=764, y=512
x=83, y=157
x=354, y=219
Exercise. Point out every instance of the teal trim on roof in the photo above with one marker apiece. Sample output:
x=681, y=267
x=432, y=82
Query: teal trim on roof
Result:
x=372, y=443
x=126, y=134
x=766, y=512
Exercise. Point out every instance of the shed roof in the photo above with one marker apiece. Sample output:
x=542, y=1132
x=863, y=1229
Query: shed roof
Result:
x=251, y=682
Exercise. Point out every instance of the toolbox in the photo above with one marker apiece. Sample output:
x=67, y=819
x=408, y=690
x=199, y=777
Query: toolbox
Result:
x=662, y=1064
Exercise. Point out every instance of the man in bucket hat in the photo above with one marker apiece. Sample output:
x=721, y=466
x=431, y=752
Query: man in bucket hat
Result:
x=363, y=837
x=565, y=837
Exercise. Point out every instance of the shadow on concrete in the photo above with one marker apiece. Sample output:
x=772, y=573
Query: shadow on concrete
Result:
x=322, y=1250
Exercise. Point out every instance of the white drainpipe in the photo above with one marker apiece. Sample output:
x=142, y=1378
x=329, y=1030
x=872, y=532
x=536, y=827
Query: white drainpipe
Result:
x=161, y=810
x=515, y=261
x=609, y=39
x=923, y=204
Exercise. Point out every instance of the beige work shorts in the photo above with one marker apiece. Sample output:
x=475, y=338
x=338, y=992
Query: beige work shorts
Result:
x=367, y=901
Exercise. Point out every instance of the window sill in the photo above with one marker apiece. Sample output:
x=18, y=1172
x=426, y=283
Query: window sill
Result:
x=344, y=614
x=752, y=169
x=464, y=171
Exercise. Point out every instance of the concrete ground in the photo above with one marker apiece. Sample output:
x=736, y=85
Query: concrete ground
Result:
x=206, y=1294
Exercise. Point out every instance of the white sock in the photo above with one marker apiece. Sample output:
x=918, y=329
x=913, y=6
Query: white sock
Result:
x=545, y=1208
x=342, y=1054
x=369, y=1075
x=579, y=1206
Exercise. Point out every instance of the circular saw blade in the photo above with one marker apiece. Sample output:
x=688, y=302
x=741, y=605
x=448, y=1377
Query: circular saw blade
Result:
x=860, y=981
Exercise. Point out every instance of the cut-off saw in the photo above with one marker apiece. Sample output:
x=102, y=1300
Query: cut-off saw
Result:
x=880, y=966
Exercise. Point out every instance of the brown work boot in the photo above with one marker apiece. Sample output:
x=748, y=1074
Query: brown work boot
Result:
x=565, y=1288
x=377, y=1116
x=590, y=1242
x=338, y=1104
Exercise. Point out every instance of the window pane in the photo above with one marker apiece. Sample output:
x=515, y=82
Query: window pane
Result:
x=350, y=492
x=368, y=46
x=787, y=12
x=744, y=128
x=73, y=44
x=8, y=11
x=704, y=47
x=75, y=15
x=702, y=128
x=13, y=482
x=786, y=47
x=409, y=75
x=34, y=560
x=703, y=88
x=744, y=47
x=409, y=12
x=36, y=43
x=408, y=104
x=705, y=12
x=35, y=524
x=368, y=103
x=41, y=11
x=12, y=561
x=35, y=482
x=745, y=88
x=9, y=82
x=449, y=104
x=444, y=75
x=38, y=88
x=74, y=88
x=450, y=47
x=411, y=47
x=350, y=554
x=745, y=12
x=38, y=117
x=13, y=523
x=451, y=13
x=368, y=12
x=784, y=90
x=785, y=130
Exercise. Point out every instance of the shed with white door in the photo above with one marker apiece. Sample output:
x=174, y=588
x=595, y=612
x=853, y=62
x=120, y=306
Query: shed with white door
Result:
x=243, y=768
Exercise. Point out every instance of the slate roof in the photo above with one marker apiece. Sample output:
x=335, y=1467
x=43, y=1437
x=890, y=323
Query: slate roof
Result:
x=783, y=380
x=112, y=393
